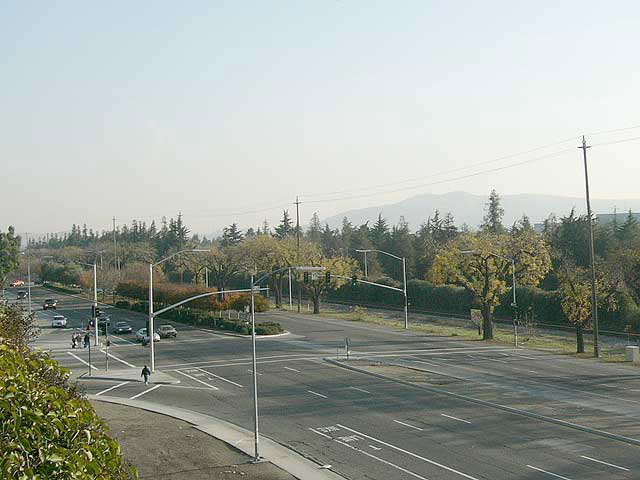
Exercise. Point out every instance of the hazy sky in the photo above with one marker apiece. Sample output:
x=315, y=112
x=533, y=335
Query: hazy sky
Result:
x=144, y=109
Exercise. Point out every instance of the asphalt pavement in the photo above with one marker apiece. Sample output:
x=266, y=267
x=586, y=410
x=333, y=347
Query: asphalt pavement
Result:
x=417, y=405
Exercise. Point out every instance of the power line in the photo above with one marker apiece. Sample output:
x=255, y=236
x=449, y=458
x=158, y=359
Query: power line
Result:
x=446, y=180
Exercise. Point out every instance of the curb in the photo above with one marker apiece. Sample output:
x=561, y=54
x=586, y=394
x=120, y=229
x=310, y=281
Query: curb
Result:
x=236, y=436
x=484, y=403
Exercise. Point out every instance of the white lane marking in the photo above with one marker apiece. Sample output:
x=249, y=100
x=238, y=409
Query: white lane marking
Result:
x=605, y=463
x=320, y=433
x=381, y=460
x=360, y=390
x=118, y=359
x=455, y=418
x=78, y=358
x=548, y=473
x=111, y=388
x=251, y=371
x=316, y=393
x=290, y=355
x=219, y=377
x=415, y=455
x=198, y=380
x=185, y=386
x=145, y=391
x=407, y=425
x=123, y=339
x=428, y=363
x=373, y=447
x=292, y=369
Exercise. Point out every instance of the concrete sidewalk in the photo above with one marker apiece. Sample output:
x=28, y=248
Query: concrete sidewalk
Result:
x=177, y=459
x=131, y=375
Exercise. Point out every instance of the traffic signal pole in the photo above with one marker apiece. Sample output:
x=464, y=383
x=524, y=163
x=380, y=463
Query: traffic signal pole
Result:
x=95, y=301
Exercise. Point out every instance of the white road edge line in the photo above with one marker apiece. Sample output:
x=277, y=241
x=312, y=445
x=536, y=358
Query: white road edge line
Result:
x=251, y=371
x=111, y=388
x=548, y=473
x=198, y=380
x=360, y=390
x=380, y=460
x=292, y=369
x=605, y=463
x=145, y=391
x=316, y=393
x=415, y=455
x=455, y=418
x=123, y=339
x=78, y=358
x=407, y=425
x=219, y=377
x=118, y=359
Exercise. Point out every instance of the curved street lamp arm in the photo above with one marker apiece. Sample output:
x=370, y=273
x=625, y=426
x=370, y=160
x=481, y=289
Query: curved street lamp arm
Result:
x=177, y=253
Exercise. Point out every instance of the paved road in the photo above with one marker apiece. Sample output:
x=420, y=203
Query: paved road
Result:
x=474, y=411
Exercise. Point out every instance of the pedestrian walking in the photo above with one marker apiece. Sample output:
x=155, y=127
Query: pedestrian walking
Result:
x=73, y=340
x=87, y=340
x=146, y=373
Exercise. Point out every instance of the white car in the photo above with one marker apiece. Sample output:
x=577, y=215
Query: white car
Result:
x=143, y=336
x=58, y=321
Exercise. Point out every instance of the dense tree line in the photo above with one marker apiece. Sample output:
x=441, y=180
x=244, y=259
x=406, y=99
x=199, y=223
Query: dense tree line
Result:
x=554, y=258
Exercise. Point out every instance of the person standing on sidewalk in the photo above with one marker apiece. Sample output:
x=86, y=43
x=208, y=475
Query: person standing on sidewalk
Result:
x=146, y=373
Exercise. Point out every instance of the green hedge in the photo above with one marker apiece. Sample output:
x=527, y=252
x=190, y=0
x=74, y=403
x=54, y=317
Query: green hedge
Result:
x=47, y=430
x=61, y=288
x=196, y=317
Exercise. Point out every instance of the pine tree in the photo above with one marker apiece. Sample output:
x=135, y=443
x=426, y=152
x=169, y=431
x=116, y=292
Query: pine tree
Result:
x=380, y=233
x=493, y=217
x=315, y=229
x=286, y=226
x=231, y=236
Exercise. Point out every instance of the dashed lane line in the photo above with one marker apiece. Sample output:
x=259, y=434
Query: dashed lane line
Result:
x=145, y=392
x=360, y=390
x=197, y=380
x=317, y=394
x=548, y=473
x=111, y=388
x=455, y=418
x=605, y=463
x=408, y=425
x=292, y=369
x=81, y=360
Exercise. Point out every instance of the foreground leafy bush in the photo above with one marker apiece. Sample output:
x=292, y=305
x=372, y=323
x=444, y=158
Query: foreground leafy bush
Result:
x=47, y=430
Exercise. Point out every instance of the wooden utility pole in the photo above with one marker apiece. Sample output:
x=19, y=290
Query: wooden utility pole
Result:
x=594, y=297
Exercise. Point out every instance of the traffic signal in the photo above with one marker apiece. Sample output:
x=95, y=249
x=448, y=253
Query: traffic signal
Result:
x=354, y=281
x=95, y=311
x=305, y=277
x=327, y=277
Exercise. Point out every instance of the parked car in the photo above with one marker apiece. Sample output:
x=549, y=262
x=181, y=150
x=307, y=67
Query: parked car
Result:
x=17, y=283
x=50, y=303
x=143, y=336
x=58, y=321
x=22, y=295
x=122, y=327
x=166, y=331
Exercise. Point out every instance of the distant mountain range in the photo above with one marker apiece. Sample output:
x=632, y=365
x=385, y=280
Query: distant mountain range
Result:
x=468, y=208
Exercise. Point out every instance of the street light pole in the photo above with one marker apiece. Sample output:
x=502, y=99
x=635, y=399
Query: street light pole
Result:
x=290, y=297
x=406, y=300
x=150, y=325
x=256, y=435
x=95, y=300
x=515, y=303
x=29, y=281
x=366, y=273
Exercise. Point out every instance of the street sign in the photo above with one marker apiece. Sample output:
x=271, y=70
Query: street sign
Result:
x=309, y=269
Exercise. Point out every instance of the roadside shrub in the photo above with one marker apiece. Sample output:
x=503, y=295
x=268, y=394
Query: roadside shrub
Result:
x=242, y=302
x=268, y=328
x=47, y=430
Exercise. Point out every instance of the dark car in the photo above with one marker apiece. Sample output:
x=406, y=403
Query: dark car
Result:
x=122, y=327
x=22, y=295
x=50, y=303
